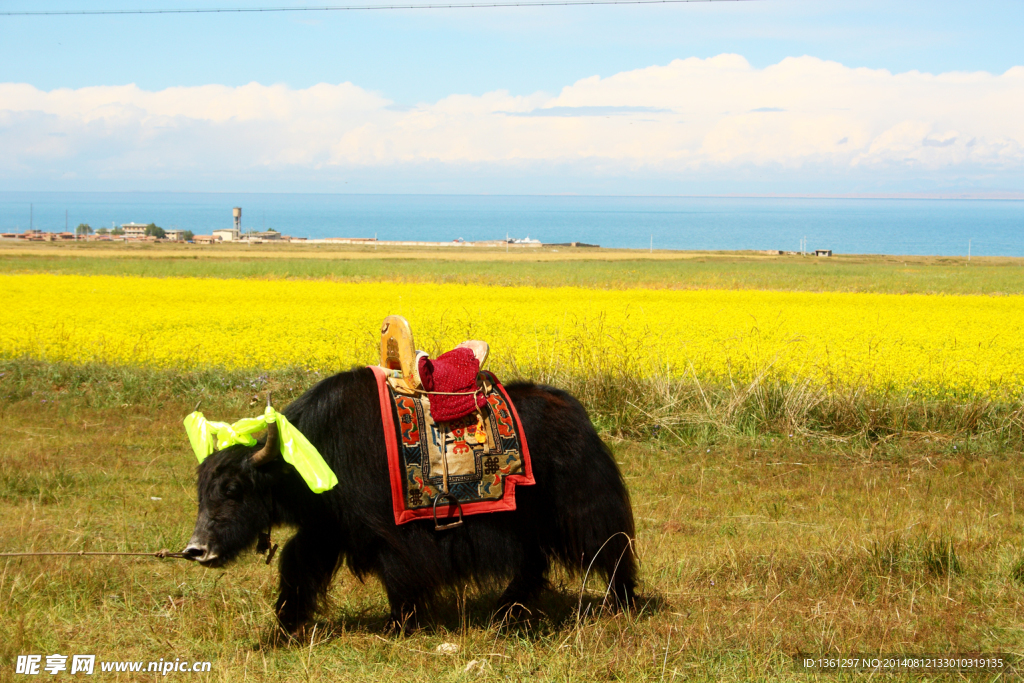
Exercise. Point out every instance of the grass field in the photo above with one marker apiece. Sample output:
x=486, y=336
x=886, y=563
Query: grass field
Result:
x=752, y=549
x=774, y=517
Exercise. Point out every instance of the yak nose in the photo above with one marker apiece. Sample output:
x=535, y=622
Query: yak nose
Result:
x=199, y=553
x=194, y=552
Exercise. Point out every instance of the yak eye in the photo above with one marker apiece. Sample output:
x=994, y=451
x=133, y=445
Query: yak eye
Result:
x=233, y=490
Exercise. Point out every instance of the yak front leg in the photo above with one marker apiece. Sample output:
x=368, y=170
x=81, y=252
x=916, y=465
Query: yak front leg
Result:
x=307, y=566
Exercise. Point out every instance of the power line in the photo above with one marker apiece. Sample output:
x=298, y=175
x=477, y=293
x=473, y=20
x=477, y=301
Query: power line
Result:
x=350, y=8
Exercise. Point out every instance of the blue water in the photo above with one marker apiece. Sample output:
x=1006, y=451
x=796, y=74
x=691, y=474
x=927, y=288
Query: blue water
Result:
x=850, y=226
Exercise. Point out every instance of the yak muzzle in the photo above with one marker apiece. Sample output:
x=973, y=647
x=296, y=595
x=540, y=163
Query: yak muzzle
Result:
x=202, y=554
x=198, y=548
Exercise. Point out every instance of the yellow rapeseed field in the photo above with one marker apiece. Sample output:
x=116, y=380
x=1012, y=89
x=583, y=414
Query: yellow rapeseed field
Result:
x=930, y=345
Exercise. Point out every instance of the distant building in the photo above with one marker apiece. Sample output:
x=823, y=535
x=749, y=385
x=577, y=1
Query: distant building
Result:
x=268, y=235
x=174, y=235
x=205, y=239
x=228, y=235
x=134, y=229
x=822, y=252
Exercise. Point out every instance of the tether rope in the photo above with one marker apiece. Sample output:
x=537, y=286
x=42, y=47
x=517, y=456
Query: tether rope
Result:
x=162, y=554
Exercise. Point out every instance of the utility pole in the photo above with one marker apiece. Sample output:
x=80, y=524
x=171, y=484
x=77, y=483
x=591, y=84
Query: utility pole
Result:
x=30, y=228
x=66, y=223
x=968, y=251
x=652, y=243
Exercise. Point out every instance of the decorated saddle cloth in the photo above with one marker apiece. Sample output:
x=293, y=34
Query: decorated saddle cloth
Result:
x=480, y=470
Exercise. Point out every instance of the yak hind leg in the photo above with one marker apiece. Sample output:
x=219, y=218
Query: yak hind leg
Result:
x=529, y=580
x=408, y=591
x=307, y=566
x=616, y=561
x=405, y=612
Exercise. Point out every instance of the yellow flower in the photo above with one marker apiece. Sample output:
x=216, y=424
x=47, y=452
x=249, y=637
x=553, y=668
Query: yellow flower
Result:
x=929, y=345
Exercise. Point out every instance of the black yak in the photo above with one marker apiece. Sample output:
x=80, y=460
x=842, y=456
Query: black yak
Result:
x=578, y=513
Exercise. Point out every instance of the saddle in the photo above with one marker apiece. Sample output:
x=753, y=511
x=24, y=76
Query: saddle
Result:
x=459, y=442
x=398, y=354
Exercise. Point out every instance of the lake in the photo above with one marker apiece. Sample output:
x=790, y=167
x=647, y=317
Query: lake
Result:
x=861, y=226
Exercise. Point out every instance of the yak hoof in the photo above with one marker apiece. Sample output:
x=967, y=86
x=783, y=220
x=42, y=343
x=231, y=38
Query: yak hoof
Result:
x=296, y=634
x=510, y=613
x=399, y=627
x=283, y=637
x=402, y=623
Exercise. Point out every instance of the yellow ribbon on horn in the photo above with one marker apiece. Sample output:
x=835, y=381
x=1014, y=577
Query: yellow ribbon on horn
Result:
x=207, y=436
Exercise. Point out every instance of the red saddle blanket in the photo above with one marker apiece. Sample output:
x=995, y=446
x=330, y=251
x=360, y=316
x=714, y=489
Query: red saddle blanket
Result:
x=482, y=470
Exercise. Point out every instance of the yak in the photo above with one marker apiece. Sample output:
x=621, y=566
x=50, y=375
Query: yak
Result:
x=577, y=514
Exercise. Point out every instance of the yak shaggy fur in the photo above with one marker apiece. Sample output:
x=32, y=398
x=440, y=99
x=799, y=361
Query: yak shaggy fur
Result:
x=578, y=513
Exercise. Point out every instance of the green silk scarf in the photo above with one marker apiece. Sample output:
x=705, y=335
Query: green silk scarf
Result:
x=207, y=436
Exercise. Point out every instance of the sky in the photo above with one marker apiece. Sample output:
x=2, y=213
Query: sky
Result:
x=724, y=98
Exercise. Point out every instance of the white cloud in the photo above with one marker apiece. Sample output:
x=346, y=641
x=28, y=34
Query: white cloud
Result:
x=691, y=116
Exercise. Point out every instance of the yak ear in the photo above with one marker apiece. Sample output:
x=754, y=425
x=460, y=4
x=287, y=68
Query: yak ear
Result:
x=270, y=450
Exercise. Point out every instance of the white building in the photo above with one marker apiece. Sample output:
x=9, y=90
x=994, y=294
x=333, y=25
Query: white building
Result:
x=227, y=235
x=134, y=229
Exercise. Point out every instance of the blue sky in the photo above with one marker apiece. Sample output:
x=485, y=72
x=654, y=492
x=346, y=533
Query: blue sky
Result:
x=428, y=92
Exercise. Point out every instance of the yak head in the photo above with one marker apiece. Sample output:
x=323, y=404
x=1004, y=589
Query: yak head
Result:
x=234, y=501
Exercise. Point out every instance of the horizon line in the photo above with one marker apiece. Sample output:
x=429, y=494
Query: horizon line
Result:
x=994, y=195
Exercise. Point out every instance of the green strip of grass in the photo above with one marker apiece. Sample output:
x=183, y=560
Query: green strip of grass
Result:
x=881, y=274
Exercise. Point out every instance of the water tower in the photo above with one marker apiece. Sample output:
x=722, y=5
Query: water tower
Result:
x=237, y=213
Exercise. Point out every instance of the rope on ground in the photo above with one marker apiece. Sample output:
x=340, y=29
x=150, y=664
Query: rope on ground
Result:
x=161, y=554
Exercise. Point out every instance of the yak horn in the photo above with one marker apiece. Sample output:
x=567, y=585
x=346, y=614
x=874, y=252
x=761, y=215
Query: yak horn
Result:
x=270, y=447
